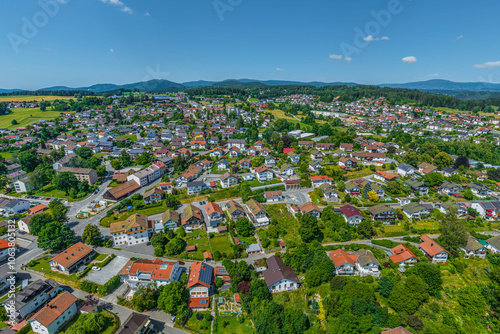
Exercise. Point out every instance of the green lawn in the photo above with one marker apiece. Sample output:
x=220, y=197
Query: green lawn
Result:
x=26, y=116
x=100, y=257
x=131, y=137
x=195, y=325
x=42, y=265
x=256, y=183
x=221, y=243
x=109, y=319
x=106, y=221
x=233, y=326
x=6, y=155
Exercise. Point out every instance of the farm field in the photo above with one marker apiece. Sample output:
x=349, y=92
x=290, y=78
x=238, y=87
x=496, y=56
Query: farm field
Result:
x=26, y=116
x=29, y=98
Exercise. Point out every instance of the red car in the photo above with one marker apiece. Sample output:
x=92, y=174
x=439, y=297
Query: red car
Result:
x=47, y=199
x=181, y=263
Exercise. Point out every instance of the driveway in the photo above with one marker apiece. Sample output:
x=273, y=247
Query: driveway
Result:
x=110, y=270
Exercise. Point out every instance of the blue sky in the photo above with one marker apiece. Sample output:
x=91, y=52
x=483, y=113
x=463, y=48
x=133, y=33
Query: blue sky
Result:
x=84, y=42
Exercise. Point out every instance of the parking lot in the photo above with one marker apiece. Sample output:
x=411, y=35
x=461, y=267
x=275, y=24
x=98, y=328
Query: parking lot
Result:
x=106, y=273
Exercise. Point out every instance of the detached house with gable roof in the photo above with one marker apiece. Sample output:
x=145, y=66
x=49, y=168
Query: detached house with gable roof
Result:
x=200, y=285
x=134, y=230
x=214, y=213
x=403, y=256
x=433, y=250
x=72, y=258
x=193, y=217
x=258, y=215
x=55, y=314
x=361, y=262
x=279, y=277
x=474, y=249
x=235, y=210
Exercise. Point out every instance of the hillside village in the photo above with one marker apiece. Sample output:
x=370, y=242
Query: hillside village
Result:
x=197, y=212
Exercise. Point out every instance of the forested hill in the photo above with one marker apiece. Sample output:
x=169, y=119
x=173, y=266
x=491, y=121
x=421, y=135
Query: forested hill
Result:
x=347, y=94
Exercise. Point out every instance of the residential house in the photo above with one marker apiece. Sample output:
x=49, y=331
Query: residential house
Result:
x=425, y=168
x=264, y=174
x=343, y=262
x=433, y=250
x=253, y=249
x=351, y=214
x=258, y=215
x=493, y=245
x=316, y=155
x=279, y=277
x=314, y=166
x=142, y=272
x=274, y=196
x=294, y=157
x=479, y=190
x=195, y=187
x=193, y=217
x=403, y=256
x=449, y=171
x=55, y=314
x=385, y=177
x=154, y=195
x=170, y=219
x=405, y=170
x=270, y=162
x=32, y=297
x=416, y=185
x=214, y=213
x=229, y=180
x=382, y=212
x=71, y=259
x=235, y=210
x=329, y=193
x=223, y=165
x=245, y=163
x=286, y=169
x=348, y=163
x=415, y=210
x=474, y=249
x=319, y=180
x=136, y=324
x=200, y=284
x=311, y=208
x=344, y=147
x=134, y=230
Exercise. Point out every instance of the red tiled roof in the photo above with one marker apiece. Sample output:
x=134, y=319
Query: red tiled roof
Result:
x=430, y=246
x=54, y=309
x=72, y=255
x=340, y=257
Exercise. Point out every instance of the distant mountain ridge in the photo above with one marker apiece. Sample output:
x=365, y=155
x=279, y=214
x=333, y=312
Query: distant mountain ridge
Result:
x=159, y=85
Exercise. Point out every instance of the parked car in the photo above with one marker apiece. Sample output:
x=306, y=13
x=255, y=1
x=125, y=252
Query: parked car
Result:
x=181, y=263
x=173, y=318
x=96, y=268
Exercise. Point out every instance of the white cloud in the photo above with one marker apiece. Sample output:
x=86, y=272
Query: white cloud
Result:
x=146, y=14
x=347, y=58
x=335, y=56
x=460, y=37
x=111, y=50
x=409, y=59
x=370, y=38
x=432, y=75
x=123, y=7
x=279, y=69
x=488, y=64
